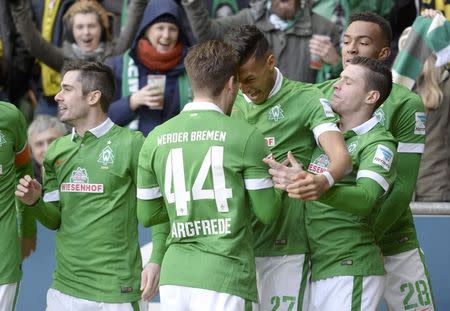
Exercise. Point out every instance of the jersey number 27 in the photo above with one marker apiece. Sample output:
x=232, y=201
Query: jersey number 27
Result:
x=174, y=176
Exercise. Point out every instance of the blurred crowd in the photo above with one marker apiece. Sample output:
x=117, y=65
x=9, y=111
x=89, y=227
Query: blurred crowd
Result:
x=143, y=42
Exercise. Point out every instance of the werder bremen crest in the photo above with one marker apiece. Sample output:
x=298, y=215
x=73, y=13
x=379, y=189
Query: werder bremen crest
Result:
x=2, y=139
x=276, y=114
x=379, y=114
x=352, y=147
x=106, y=156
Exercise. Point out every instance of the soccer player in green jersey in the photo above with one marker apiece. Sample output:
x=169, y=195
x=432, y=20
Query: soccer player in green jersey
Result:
x=203, y=171
x=15, y=162
x=90, y=198
x=403, y=114
x=347, y=266
x=293, y=116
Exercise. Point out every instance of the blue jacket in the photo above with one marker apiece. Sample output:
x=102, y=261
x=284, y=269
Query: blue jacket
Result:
x=119, y=110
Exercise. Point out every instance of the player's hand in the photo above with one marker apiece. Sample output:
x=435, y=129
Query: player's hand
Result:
x=150, y=280
x=321, y=45
x=151, y=96
x=282, y=174
x=310, y=187
x=28, y=190
x=28, y=246
x=430, y=13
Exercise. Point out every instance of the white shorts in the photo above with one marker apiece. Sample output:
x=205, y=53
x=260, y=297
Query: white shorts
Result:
x=283, y=282
x=57, y=301
x=183, y=298
x=408, y=286
x=347, y=293
x=8, y=296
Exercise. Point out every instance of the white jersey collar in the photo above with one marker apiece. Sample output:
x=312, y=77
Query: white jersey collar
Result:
x=202, y=106
x=366, y=126
x=99, y=130
x=276, y=87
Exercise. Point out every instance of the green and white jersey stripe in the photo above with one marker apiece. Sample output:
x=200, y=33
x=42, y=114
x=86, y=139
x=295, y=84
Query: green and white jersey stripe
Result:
x=204, y=164
x=92, y=180
x=291, y=119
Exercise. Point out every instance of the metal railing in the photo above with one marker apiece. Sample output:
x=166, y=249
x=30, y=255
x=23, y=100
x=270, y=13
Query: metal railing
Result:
x=430, y=208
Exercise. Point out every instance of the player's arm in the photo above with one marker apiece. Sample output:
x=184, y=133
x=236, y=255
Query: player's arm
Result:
x=150, y=208
x=373, y=180
x=45, y=210
x=23, y=167
x=150, y=203
x=409, y=131
x=265, y=200
x=322, y=122
x=407, y=166
x=205, y=28
x=366, y=192
x=332, y=142
x=150, y=274
x=150, y=212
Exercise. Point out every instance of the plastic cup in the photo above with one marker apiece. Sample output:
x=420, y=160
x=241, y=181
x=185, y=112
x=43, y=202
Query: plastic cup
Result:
x=160, y=82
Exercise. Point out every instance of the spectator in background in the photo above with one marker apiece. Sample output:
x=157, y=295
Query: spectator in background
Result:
x=338, y=11
x=87, y=34
x=15, y=61
x=221, y=8
x=42, y=131
x=433, y=86
x=433, y=182
x=288, y=26
x=158, y=50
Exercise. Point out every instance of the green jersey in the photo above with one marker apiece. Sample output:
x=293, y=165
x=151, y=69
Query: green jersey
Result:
x=291, y=119
x=15, y=162
x=403, y=115
x=206, y=166
x=343, y=243
x=91, y=180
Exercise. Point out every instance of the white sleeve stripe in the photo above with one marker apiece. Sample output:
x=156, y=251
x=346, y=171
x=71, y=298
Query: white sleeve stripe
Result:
x=258, y=184
x=374, y=176
x=148, y=193
x=23, y=148
x=52, y=196
x=322, y=128
x=410, y=148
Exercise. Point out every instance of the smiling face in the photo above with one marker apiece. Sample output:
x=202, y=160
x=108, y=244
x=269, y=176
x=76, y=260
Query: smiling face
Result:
x=363, y=39
x=162, y=36
x=87, y=31
x=256, y=78
x=285, y=9
x=72, y=104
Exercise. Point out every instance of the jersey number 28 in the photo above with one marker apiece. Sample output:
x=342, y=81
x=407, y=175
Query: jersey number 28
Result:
x=174, y=176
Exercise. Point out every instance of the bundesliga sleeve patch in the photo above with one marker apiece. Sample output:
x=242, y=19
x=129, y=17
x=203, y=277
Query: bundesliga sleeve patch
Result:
x=383, y=157
x=420, y=123
x=327, y=107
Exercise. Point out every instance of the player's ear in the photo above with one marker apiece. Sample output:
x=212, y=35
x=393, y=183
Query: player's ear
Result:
x=372, y=97
x=94, y=97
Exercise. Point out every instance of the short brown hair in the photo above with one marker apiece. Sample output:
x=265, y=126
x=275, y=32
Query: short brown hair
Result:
x=210, y=65
x=378, y=77
x=94, y=76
